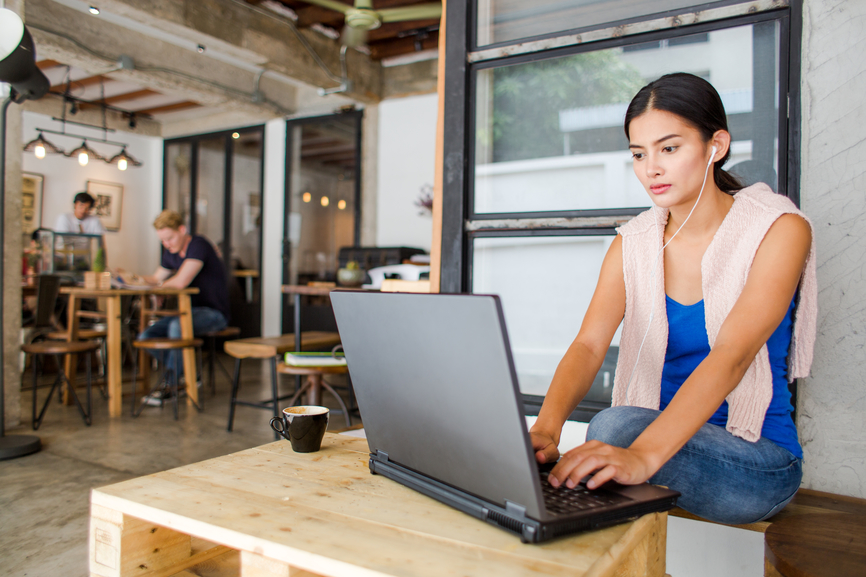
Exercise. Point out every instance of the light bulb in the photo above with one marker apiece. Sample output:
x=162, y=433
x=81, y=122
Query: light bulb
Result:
x=83, y=158
x=39, y=151
x=325, y=201
x=307, y=197
x=236, y=135
x=341, y=205
x=121, y=164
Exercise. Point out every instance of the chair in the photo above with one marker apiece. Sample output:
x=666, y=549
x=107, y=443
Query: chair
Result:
x=210, y=340
x=163, y=344
x=47, y=290
x=57, y=348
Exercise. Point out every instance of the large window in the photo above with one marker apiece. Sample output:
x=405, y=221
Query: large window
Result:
x=548, y=175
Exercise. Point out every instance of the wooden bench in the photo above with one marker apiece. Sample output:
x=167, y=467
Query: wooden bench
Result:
x=799, y=515
x=806, y=501
x=271, y=348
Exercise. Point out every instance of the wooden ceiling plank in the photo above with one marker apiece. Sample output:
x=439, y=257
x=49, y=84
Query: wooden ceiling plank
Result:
x=400, y=46
x=168, y=108
x=46, y=64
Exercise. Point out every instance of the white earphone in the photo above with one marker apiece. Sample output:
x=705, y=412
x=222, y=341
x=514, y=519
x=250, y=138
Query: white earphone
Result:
x=655, y=268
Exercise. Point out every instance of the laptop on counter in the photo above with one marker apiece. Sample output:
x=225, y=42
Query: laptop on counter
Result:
x=438, y=393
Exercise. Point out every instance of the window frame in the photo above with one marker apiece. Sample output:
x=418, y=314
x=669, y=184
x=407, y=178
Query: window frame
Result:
x=464, y=58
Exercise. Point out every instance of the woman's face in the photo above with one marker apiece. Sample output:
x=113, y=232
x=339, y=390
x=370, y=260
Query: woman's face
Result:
x=669, y=157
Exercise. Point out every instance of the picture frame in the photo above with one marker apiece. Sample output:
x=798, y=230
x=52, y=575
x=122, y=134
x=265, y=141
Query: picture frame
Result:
x=32, y=185
x=108, y=204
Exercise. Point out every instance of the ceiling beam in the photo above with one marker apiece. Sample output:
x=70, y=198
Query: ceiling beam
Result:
x=253, y=37
x=168, y=108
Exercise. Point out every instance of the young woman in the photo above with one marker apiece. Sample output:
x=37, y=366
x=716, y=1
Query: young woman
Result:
x=715, y=287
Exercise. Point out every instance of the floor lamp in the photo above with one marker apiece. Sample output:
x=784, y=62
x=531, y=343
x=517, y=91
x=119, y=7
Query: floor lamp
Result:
x=18, y=69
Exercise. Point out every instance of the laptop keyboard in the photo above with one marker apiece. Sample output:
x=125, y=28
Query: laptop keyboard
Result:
x=563, y=500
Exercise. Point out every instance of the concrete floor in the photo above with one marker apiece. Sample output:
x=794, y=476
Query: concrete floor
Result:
x=45, y=497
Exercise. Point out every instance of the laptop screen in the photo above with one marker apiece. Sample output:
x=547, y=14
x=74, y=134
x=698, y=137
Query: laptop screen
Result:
x=437, y=390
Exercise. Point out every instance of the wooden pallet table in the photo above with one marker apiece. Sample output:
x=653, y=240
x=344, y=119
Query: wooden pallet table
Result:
x=268, y=512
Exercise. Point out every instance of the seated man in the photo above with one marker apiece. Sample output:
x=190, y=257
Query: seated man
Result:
x=80, y=221
x=196, y=264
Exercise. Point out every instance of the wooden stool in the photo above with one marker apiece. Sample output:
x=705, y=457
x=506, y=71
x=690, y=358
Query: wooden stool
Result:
x=315, y=383
x=161, y=344
x=210, y=342
x=57, y=348
x=816, y=545
x=270, y=348
x=90, y=335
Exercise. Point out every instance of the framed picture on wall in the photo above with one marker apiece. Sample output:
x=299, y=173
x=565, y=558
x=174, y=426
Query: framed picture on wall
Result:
x=109, y=202
x=31, y=201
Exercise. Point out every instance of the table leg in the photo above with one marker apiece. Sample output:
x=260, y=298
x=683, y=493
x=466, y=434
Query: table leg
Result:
x=254, y=565
x=185, y=307
x=640, y=551
x=71, y=363
x=122, y=545
x=115, y=359
x=298, y=383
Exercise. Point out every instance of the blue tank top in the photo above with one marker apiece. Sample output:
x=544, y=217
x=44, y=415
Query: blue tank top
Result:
x=688, y=345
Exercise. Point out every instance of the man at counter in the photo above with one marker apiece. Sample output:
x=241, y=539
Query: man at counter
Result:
x=80, y=221
x=187, y=261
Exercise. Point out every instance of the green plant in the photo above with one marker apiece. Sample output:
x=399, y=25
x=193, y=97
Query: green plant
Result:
x=99, y=260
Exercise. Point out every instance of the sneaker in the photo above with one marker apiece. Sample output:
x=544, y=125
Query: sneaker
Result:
x=156, y=398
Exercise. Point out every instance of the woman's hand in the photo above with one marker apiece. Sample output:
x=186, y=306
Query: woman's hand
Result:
x=544, y=446
x=625, y=466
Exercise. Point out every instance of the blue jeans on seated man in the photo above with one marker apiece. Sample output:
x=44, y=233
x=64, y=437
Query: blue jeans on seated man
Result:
x=722, y=478
x=204, y=320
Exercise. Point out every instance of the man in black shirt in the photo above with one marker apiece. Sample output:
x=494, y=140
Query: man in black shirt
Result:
x=187, y=261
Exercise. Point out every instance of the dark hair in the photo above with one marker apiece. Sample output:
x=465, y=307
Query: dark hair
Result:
x=84, y=197
x=695, y=101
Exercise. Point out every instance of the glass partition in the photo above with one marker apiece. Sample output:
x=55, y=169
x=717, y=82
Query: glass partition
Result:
x=178, y=184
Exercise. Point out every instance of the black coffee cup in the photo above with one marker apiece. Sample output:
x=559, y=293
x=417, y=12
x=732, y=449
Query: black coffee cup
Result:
x=304, y=427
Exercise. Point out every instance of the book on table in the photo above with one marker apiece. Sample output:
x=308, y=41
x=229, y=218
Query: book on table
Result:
x=313, y=359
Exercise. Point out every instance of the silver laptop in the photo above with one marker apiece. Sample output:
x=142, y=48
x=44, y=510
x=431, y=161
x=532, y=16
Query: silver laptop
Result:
x=439, y=398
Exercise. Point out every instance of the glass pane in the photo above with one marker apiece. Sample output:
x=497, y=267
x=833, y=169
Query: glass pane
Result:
x=177, y=182
x=507, y=20
x=210, y=192
x=322, y=202
x=548, y=133
x=545, y=284
x=246, y=212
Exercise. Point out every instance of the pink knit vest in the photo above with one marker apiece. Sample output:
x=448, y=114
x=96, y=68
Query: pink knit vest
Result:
x=724, y=269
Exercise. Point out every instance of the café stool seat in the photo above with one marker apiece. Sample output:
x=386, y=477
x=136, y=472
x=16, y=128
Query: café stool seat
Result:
x=270, y=349
x=210, y=340
x=314, y=384
x=161, y=344
x=57, y=348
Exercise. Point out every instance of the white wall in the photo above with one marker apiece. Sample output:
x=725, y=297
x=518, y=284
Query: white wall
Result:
x=407, y=148
x=133, y=247
x=832, y=403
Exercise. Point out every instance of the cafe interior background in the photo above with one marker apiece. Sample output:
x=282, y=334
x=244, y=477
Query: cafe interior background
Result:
x=284, y=107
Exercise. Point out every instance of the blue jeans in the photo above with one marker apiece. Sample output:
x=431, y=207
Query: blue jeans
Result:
x=721, y=477
x=204, y=320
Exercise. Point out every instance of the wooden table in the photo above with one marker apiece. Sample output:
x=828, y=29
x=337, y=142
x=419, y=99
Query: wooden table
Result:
x=276, y=512
x=111, y=297
x=248, y=275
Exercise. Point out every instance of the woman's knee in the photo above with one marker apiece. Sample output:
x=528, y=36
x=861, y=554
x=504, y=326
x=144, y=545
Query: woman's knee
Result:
x=620, y=426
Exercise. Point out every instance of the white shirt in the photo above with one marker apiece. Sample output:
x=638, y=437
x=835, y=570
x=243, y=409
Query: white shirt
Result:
x=90, y=224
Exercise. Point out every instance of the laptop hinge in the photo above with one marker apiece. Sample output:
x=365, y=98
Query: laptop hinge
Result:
x=380, y=455
x=515, y=509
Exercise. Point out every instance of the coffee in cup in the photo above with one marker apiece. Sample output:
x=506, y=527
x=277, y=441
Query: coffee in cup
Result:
x=304, y=427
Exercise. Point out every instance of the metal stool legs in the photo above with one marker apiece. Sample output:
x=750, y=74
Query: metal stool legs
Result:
x=58, y=383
